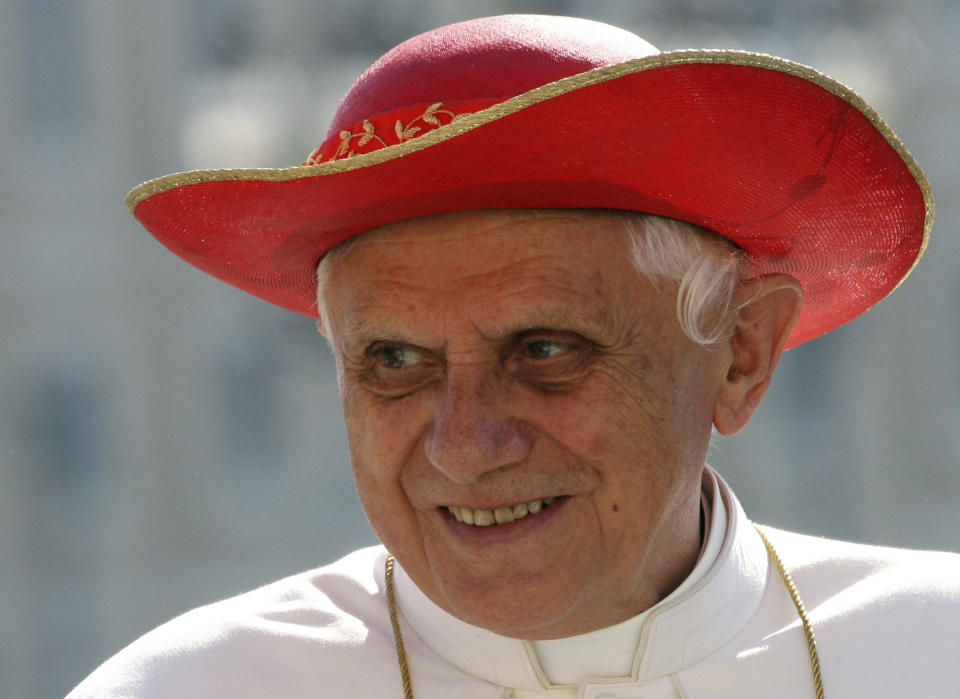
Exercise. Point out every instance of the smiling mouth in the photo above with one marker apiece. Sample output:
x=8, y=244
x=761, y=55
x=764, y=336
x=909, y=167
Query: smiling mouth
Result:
x=501, y=515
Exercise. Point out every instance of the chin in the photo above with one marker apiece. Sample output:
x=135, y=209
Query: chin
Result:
x=504, y=609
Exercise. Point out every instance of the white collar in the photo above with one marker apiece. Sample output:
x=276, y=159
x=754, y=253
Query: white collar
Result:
x=703, y=614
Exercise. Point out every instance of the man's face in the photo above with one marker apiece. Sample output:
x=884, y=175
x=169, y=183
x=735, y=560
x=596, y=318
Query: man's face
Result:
x=510, y=360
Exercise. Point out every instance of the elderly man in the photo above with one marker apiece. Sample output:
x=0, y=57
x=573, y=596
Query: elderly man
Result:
x=551, y=261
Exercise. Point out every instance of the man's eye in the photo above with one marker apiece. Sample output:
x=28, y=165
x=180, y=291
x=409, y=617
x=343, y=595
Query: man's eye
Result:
x=549, y=359
x=545, y=349
x=397, y=356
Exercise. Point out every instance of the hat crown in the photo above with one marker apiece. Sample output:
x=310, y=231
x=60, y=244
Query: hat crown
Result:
x=489, y=58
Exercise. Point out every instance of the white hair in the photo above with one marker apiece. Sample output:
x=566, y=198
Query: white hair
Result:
x=706, y=268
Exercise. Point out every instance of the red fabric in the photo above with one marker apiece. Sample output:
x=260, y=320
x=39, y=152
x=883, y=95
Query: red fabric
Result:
x=491, y=57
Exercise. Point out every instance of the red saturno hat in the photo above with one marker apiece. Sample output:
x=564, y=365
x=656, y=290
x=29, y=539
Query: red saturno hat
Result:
x=553, y=112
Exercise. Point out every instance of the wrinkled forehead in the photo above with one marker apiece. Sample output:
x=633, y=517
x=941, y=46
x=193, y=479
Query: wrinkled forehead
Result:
x=455, y=246
x=458, y=224
x=487, y=274
x=401, y=237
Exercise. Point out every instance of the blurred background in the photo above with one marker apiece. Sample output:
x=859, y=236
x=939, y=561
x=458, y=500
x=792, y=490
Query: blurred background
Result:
x=166, y=440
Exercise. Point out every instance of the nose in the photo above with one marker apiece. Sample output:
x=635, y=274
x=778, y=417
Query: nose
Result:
x=474, y=431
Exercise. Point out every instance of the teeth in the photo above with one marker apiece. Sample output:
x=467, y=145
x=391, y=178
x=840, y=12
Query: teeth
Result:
x=483, y=518
x=502, y=515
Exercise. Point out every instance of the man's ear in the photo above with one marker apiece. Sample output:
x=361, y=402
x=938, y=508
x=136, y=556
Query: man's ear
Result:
x=768, y=308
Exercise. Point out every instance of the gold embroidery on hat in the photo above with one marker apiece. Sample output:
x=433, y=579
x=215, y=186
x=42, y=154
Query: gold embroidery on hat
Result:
x=403, y=132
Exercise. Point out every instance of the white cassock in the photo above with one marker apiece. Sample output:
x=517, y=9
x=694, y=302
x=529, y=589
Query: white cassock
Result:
x=886, y=622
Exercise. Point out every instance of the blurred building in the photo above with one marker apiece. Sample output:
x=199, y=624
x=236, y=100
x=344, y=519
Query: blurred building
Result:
x=166, y=440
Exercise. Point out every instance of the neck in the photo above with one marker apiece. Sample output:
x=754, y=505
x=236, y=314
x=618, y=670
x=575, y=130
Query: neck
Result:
x=611, y=651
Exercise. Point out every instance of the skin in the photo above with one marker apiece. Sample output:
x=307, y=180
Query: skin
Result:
x=493, y=358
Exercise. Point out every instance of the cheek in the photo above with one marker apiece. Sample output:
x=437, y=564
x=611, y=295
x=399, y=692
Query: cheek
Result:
x=383, y=438
x=624, y=414
x=637, y=421
x=372, y=426
x=380, y=451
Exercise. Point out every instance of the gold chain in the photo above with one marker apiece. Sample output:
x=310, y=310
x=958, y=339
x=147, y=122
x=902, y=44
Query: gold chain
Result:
x=801, y=610
x=784, y=573
x=395, y=623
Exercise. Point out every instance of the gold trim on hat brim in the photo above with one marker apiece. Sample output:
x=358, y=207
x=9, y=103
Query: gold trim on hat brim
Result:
x=546, y=92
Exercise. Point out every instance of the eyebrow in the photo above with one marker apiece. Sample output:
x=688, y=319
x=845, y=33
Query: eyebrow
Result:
x=559, y=321
x=360, y=331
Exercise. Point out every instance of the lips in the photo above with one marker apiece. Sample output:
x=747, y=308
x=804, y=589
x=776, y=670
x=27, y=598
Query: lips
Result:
x=501, y=515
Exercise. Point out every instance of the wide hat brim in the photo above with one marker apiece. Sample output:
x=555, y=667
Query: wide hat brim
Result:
x=791, y=166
